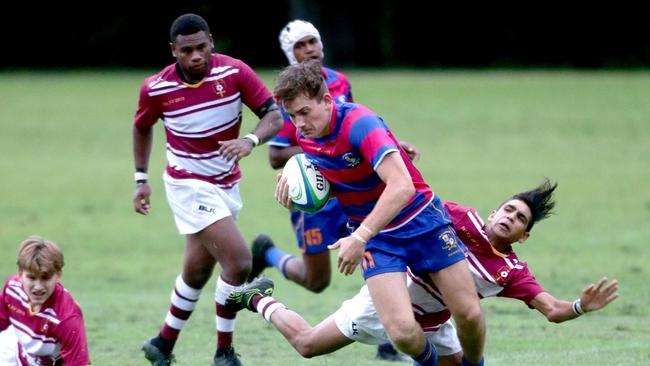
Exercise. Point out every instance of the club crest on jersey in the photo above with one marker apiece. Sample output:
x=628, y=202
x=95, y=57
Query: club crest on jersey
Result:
x=449, y=239
x=502, y=275
x=351, y=160
x=219, y=88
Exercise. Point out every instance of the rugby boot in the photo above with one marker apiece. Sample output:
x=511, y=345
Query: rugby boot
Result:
x=261, y=244
x=155, y=355
x=243, y=298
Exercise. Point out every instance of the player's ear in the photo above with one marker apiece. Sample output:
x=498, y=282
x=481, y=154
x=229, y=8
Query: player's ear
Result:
x=524, y=237
x=211, y=41
x=172, y=47
x=491, y=216
x=327, y=98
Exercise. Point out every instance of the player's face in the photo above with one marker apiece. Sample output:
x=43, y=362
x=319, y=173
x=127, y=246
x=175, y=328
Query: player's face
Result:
x=308, y=48
x=510, y=221
x=39, y=288
x=311, y=117
x=192, y=53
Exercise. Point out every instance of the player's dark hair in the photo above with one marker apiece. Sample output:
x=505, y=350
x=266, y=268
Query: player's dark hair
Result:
x=305, y=78
x=539, y=201
x=188, y=24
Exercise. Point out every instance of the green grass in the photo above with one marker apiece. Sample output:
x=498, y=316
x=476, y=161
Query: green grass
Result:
x=65, y=158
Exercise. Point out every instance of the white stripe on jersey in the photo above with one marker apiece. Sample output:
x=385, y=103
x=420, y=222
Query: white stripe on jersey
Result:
x=485, y=285
x=160, y=83
x=214, y=167
x=478, y=268
x=221, y=76
x=478, y=223
x=48, y=317
x=218, y=69
x=173, y=86
x=165, y=91
x=11, y=291
x=200, y=106
x=206, y=133
x=203, y=123
x=27, y=332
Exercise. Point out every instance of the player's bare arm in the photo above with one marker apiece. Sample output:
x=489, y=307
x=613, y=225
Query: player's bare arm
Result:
x=278, y=156
x=269, y=125
x=594, y=297
x=142, y=140
x=399, y=189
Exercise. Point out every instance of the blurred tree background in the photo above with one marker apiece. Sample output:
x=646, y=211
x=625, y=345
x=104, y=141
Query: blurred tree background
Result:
x=379, y=33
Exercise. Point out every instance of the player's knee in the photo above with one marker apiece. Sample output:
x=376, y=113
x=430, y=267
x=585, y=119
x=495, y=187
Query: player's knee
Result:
x=237, y=271
x=317, y=285
x=402, y=334
x=197, y=277
x=470, y=316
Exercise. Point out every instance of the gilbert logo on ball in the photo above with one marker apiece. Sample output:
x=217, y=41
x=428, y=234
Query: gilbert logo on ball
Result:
x=308, y=188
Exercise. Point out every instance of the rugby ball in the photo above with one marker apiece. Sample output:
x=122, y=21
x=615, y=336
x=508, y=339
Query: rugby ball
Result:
x=308, y=188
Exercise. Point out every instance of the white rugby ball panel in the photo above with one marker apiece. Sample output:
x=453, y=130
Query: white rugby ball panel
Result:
x=308, y=188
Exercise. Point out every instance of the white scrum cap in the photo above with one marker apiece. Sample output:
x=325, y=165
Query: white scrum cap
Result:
x=293, y=32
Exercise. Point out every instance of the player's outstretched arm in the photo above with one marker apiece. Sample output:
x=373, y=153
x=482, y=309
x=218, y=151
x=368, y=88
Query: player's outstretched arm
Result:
x=594, y=297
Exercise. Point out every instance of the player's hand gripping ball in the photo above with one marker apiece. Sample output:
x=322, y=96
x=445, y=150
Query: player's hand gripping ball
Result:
x=308, y=188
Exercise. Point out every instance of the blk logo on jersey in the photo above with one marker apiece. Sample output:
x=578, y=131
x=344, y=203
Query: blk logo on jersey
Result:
x=351, y=159
x=355, y=329
x=207, y=209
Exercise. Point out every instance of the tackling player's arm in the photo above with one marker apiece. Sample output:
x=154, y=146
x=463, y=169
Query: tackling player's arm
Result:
x=269, y=125
x=594, y=297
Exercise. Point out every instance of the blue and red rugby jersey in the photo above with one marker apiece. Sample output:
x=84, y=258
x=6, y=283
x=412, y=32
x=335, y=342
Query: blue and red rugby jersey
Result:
x=358, y=142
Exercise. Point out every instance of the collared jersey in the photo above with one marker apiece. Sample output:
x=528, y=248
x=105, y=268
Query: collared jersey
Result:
x=340, y=89
x=494, y=273
x=348, y=156
x=56, y=332
x=198, y=116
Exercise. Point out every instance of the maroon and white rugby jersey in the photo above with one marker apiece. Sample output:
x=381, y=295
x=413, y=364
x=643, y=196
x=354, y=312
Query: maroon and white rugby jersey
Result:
x=198, y=116
x=494, y=273
x=54, y=333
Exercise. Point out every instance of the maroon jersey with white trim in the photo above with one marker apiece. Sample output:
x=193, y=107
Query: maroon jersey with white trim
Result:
x=54, y=333
x=198, y=116
x=494, y=273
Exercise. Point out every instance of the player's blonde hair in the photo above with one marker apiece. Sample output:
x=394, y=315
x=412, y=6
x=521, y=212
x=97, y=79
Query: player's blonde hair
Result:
x=40, y=257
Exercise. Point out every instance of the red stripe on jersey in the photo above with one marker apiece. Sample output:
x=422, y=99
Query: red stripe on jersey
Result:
x=360, y=197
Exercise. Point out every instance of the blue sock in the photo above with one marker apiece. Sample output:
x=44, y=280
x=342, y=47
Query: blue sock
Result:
x=278, y=259
x=464, y=362
x=428, y=357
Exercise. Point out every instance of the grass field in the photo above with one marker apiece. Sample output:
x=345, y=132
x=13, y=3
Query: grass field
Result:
x=66, y=168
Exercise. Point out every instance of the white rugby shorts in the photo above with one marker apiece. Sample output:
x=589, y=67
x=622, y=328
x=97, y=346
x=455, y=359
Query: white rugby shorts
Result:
x=358, y=320
x=8, y=347
x=197, y=204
